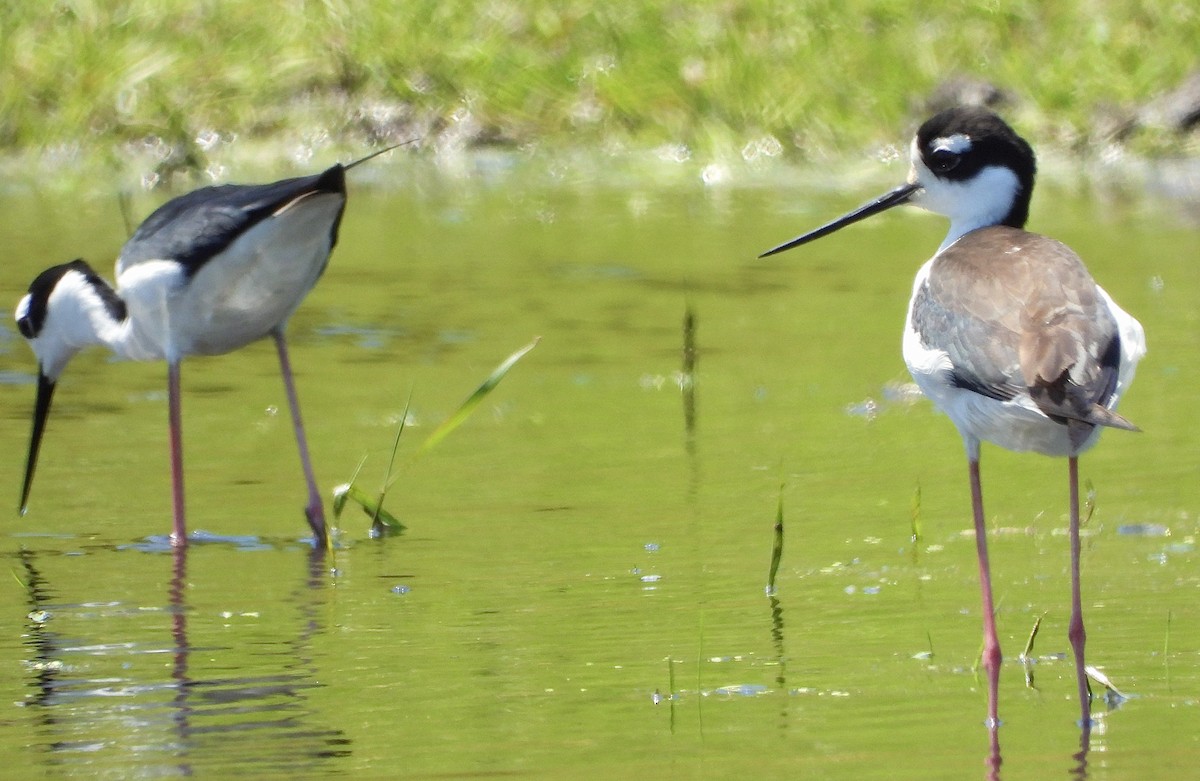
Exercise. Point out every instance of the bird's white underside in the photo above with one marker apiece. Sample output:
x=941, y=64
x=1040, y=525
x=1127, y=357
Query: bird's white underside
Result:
x=1017, y=424
x=251, y=289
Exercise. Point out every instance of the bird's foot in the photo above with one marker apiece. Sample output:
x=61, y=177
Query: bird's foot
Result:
x=315, y=513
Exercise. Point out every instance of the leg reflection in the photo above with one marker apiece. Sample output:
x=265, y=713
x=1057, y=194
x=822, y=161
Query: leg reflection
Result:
x=993, y=758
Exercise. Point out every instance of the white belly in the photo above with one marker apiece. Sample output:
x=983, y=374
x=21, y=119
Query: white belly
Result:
x=1016, y=425
x=250, y=289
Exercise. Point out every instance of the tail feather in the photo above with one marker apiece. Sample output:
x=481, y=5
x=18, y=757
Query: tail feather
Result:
x=1080, y=428
x=1102, y=416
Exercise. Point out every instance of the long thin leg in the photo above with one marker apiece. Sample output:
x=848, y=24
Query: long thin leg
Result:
x=993, y=760
x=1076, y=632
x=1080, y=771
x=315, y=511
x=179, y=527
x=991, y=644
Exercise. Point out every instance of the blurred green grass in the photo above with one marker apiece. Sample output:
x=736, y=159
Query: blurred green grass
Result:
x=814, y=78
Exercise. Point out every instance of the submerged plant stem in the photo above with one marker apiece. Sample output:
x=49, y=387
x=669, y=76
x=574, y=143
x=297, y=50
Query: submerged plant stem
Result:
x=1028, y=652
x=915, y=516
x=777, y=546
x=379, y=518
x=687, y=380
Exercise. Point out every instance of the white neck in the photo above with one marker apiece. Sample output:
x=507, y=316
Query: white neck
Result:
x=983, y=200
x=77, y=313
x=76, y=318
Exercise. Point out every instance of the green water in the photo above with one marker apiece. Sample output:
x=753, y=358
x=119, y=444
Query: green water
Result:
x=580, y=591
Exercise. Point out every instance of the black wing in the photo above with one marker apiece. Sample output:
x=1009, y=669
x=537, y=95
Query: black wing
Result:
x=194, y=228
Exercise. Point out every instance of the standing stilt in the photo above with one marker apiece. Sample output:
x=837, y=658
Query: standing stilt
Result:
x=1006, y=332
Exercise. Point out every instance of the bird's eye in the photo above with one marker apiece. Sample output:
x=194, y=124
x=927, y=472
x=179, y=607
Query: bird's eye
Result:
x=943, y=160
x=24, y=323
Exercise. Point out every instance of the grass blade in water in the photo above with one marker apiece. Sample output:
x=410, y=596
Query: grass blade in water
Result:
x=777, y=547
x=380, y=519
x=1090, y=503
x=342, y=492
x=1028, y=652
x=370, y=505
x=915, y=517
x=687, y=378
x=1103, y=680
x=468, y=406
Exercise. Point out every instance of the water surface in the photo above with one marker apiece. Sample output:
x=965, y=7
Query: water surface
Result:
x=580, y=590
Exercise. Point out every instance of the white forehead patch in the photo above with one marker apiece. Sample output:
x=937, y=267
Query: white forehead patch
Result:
x=22, y=308
x=957, y=143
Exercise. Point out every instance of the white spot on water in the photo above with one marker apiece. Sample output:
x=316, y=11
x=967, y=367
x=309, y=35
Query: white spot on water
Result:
x=694, y=72
x=714, y=173
x=207, y=139
x=889, y=153
x=757, y=149
x=674, y=153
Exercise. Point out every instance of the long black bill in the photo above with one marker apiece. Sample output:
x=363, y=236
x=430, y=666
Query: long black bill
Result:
x=379, y=152
x=41, y=410
x=884, y=202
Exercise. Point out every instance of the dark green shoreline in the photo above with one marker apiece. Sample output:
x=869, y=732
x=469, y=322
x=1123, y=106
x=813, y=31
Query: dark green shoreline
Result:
x=814, y=80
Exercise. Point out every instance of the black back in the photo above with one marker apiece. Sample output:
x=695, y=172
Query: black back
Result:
x=194, y=228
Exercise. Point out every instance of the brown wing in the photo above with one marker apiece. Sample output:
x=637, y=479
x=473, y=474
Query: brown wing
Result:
x=1021, y=315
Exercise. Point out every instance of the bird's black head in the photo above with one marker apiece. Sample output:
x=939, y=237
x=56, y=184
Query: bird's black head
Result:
x=955, y=145
x=50, y=323
x=967, y=164
x=32, y=309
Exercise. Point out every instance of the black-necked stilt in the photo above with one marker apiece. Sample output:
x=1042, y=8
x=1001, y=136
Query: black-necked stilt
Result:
x=1007, y=332
x=205, y=274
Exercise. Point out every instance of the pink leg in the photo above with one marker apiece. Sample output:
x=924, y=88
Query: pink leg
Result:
x=1076, y=631
x=315, y=511
x=1081, y=758
x=993, y=760
x=179, y=529
x=991, y=644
